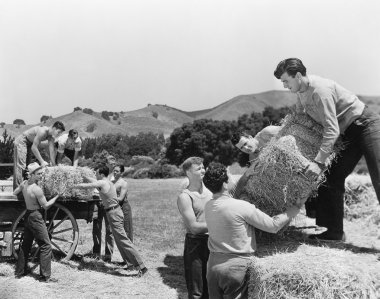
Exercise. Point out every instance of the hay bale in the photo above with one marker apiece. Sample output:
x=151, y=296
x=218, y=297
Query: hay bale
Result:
x=276, y=179
x=62, y=178
x=360, y=200
x=314, y=272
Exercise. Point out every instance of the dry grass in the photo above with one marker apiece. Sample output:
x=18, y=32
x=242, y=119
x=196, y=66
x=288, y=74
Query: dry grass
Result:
x=159, y=234
x=310, y=272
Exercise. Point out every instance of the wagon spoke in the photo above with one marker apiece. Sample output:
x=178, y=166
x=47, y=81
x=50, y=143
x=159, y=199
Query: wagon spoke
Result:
x=59, y=223
x=56, y=246
x=52, y=219
x=62, y=240
x=62, y=231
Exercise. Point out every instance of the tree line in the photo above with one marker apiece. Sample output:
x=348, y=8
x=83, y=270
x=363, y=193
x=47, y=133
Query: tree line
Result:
x=209, y=139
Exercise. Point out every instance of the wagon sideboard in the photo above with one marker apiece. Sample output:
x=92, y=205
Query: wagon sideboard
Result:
x=11, y=206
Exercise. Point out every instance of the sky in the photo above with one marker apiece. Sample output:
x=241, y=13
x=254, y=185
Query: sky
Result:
x=121, y=55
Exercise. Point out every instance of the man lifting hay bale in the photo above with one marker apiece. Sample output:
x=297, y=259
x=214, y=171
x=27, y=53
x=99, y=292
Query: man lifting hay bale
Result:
x=231, y=225
x=338, y=111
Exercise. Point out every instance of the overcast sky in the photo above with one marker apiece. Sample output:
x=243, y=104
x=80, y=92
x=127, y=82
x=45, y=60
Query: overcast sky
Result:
x=121, y=55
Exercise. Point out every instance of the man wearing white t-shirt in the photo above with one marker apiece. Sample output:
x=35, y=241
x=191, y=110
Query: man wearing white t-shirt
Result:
x=69, y=145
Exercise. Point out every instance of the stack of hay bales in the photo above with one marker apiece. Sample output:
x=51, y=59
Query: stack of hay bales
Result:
x=61, y=179
x=276, y=179
x=314, y=272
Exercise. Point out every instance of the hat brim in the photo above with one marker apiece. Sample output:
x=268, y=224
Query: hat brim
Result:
x=38, y=168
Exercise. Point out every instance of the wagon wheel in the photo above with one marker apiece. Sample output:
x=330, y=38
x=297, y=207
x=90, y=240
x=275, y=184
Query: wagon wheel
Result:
x=62, y=228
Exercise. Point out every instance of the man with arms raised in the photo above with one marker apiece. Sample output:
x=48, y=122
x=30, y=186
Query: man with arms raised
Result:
x=231, y=225
x=28, y=143
x=107, y=193
x=191, y=204
x=34, y=225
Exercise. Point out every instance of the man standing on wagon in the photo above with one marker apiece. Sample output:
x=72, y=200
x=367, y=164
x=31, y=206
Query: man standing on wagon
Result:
x=69, y=145
x=340, y=112
x=35, y=227
x=28, y=143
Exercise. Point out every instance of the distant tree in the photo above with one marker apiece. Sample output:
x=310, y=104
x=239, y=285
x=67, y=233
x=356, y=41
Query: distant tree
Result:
x=18, y=122
x=88, y=111
x=115, y=117
x=44, y=118
x=155, y=114
x=149, y=104
x=2, y=124
x=105, y=115
x=6, y=154
x=91, y=127
x=77, y=109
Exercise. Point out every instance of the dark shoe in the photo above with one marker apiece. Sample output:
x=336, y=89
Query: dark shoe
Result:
x=107, y=258
x=328, y=237
x=142, y=271
x=48, y=279
x=20, y=276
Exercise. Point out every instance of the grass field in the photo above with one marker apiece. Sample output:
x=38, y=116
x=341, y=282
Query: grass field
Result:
x=159, y=235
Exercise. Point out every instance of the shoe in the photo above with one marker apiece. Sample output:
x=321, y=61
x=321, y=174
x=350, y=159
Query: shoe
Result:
x=20, y=276
x=48, y=279
x=328, y=237
x=142, y=272
x=107, y=259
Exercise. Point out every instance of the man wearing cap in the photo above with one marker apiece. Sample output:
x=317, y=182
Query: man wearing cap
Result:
x=34, y=225
x=28, y=143
x=108, y=195
x=69, y=145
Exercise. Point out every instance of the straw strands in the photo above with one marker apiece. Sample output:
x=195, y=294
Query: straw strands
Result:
x=61, y=179
x=315, y=272
x=276, y=179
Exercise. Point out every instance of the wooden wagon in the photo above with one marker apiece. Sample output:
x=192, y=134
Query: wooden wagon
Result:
x=61, y=221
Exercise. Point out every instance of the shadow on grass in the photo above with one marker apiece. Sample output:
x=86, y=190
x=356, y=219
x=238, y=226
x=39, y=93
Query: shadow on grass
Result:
x=173, y=275
x=86, y=262
x=293, y=237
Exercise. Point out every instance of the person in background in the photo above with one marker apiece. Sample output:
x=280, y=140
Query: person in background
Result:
x=34, y=225
x=27, y=144
x=340, y=112
x=231, y=226
x=69, y=145
x=191, y=204
x=121, y=186
x=107, y=193
x=97, y=224
x=252, y=145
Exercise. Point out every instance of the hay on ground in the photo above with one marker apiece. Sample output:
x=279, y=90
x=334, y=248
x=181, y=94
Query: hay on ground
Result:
x=314, y=272
x=61, y=179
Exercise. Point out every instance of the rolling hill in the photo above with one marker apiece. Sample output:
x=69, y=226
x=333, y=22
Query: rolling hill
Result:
x=164, y=119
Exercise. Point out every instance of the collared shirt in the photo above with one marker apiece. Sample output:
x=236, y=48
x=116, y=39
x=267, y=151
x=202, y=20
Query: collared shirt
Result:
x=331, y=105
x=231, y=225
x=64, y=142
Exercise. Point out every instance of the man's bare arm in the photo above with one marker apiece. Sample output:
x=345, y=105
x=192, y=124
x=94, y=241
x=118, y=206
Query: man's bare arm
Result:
x=186, y=209
x=42, y=199
x=36, y=143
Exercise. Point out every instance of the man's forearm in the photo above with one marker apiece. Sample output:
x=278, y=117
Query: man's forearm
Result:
x=37, y=154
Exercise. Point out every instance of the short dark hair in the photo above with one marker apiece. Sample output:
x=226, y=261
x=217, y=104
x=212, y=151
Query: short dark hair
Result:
x=237, y=135
x=291, y=66
x=121, y=166
x=59, y=125
x=72, y=132
x=190, y=161
x=103, y=169
x=215, y=176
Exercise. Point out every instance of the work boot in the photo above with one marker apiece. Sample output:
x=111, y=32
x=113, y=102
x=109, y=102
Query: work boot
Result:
x=47, y=279
x=328, y=236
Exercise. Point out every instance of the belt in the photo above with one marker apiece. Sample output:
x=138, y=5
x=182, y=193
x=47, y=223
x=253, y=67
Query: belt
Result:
x=112, y=208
